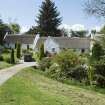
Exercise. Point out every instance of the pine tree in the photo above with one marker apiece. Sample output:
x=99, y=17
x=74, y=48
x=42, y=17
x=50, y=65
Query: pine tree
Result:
x=18, y=54
x=48, y=19
x=12, y=57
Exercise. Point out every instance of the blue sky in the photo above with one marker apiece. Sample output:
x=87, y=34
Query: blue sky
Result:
x=24, y=12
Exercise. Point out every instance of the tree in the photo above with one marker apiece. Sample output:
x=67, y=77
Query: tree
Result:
x=97, y=51
x=18, y=54
x=15, y=28
x=42, y=54
x=12, y=57
x=95, y=8
x=102, y=31
x=33, y=30
x=81, y=33
x=48, y=19
x=64, y=32
x=4, y=28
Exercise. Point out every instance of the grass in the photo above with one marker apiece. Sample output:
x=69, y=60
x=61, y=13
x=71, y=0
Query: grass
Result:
x=4, y=65
x=31, y=88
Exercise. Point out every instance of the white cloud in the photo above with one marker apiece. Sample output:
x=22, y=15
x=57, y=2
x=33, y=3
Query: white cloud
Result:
x=75, y=27
x=78, y=27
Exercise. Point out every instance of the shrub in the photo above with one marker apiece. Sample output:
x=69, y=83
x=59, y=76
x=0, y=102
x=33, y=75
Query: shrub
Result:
x=97, y=51
x=78, y=73
x=1, y=58
x=45, y=63
x=35, y=56
x=99, y=72
x=18, y=54
x=12, y=57
x=6, y=51
x=100, y=80
x=6, y=57
x=70, y=65
x=99, y=67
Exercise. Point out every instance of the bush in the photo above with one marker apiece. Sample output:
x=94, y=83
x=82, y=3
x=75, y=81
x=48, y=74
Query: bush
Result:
x=99, y=72
x=1, y=58
x=45, y=63
x=6, y=51
x=66, y=60
x=78, y=73
x=6, y=57
x=54, y=72
x=67, y=65
x=100, y=80
x=97, y=51
x=99, y=67
x=35, y=56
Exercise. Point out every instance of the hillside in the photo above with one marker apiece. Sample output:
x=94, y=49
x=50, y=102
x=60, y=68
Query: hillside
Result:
x=31, y=88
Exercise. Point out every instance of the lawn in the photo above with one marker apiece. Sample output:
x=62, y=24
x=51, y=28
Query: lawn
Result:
x=4, y=65
x=31, y=88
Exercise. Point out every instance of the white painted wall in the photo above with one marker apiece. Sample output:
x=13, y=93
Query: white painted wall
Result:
x=50, y=44
x=24, y=46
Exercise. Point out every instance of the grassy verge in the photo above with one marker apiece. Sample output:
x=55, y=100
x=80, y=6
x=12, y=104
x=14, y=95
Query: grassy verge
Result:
x=4, y=65
x=31, y=88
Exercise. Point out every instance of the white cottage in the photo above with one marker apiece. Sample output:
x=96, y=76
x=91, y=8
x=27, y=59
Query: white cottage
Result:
x=24, y=40
x=56, y=44
x=51, y=44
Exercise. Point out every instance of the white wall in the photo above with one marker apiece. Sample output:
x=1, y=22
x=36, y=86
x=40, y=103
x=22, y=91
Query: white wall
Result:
x=50, y=44
x=24, y=46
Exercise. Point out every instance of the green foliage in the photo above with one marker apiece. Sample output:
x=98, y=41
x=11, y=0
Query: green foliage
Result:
x=102, y=31
x=67, y=65
x=18, y=53
x=15, y=28
x=33, y=30
x=6, y=51
x=100, y=80
x=12, y=57
x=36, y=56
x=90, y=74
x=3, y=29
x=99, y=70
x=78, y=33
x=6, y=57
x=42, y=54
x=97, y=51
x=1, y=58
x=48, y=19
x=45, y=63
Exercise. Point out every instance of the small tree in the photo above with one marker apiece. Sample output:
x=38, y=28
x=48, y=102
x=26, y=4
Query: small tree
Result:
x=12, y=57
x=41, y=55
x=18, y=54
x=97, y=51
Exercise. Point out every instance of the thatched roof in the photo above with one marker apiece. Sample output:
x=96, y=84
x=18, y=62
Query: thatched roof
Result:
x=67, y=42
x=23, y=39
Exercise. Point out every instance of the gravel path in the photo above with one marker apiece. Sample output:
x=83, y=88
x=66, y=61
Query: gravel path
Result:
x=7, y=73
